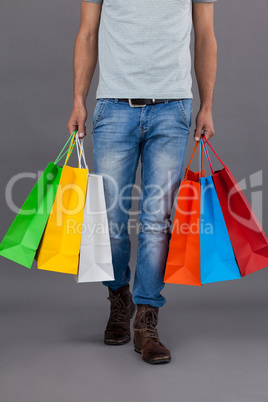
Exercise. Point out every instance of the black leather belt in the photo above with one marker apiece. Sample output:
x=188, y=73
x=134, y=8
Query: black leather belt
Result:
x=143, y=102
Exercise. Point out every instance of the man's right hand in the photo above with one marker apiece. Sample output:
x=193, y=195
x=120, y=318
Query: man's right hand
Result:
x=77, y=120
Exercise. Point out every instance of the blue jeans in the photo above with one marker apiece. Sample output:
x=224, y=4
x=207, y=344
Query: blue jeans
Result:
x=121, y=135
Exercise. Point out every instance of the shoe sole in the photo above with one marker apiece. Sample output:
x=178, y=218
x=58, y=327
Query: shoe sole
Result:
x=116, y=343
x=123, y=342
x=160, y=361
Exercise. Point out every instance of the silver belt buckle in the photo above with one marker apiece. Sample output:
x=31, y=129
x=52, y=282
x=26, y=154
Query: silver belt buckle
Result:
x=132, y=105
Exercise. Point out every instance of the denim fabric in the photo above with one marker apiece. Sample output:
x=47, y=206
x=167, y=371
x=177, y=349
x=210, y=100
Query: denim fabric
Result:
x=157, y=134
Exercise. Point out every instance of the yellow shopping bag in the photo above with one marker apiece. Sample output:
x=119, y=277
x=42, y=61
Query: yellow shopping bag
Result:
x=60, y=245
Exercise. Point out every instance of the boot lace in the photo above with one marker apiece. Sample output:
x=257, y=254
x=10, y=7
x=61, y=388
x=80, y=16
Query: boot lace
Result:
x=118, y=309
x=150, y=320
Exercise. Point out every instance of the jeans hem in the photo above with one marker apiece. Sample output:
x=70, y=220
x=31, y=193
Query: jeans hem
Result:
x=151, y=302
x=115, y=286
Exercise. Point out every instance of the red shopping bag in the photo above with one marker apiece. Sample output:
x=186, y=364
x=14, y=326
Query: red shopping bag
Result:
x=183, y=260
x=248, y=239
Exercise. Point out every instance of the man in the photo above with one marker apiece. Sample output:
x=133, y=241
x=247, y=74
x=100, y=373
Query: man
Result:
x=144, y=109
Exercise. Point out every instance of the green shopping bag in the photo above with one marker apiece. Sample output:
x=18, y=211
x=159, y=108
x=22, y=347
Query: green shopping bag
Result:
x=23, y=236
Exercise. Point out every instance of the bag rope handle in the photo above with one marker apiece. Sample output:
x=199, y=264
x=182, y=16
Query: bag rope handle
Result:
x=60, y=156
x=80, y=151
x=206, y=142
x=207, y=155
x=200, y=166
x=72, y=145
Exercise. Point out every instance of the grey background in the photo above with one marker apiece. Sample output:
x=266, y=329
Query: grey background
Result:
x=51, y=334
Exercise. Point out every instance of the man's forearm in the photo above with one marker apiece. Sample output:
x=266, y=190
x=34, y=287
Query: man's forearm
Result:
x=85, y=60
x=205, y=63
x=84, y=64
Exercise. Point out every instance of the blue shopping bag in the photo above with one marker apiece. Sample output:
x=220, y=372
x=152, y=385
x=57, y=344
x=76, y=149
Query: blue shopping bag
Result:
x=217, y=260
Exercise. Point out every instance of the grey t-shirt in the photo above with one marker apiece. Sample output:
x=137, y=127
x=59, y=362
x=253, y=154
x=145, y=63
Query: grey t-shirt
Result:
x=144, y=48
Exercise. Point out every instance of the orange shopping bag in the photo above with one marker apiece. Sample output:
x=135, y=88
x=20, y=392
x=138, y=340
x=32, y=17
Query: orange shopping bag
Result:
x=183, y=260
x=60, y=245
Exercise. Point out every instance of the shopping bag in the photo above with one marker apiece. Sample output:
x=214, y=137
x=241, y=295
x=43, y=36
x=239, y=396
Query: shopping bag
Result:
x=23, y=236
x=95, y=262
x=248, y=239
x=183, y=260
x=60, y=244
x=218, y=261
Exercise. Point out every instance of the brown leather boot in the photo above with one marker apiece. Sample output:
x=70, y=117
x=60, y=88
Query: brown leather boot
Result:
x=122, y=309
x=146, y=339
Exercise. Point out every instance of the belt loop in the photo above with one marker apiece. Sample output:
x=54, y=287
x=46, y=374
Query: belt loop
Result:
x=115, y=100
x=166, y=100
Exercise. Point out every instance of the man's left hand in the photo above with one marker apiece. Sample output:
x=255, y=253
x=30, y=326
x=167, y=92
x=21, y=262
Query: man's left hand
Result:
x=204, y=122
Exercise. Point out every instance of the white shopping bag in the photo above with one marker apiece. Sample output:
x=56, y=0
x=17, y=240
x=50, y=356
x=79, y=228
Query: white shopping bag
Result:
x=95, y=262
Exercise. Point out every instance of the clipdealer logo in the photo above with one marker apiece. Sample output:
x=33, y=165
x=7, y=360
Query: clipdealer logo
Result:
x=122, y=199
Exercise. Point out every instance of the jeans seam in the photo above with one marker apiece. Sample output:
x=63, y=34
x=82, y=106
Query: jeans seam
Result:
x=142, y=181
x=131, y=178
x=128, y=253
x=129, y=193
x=139, y=215
x=147, y=129
x=183, y=114
x=141, y=116
x=137, y=274
x=102, y=107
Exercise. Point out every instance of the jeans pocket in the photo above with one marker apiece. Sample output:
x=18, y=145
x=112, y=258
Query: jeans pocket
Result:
x=98, y=111
x=186, y=111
